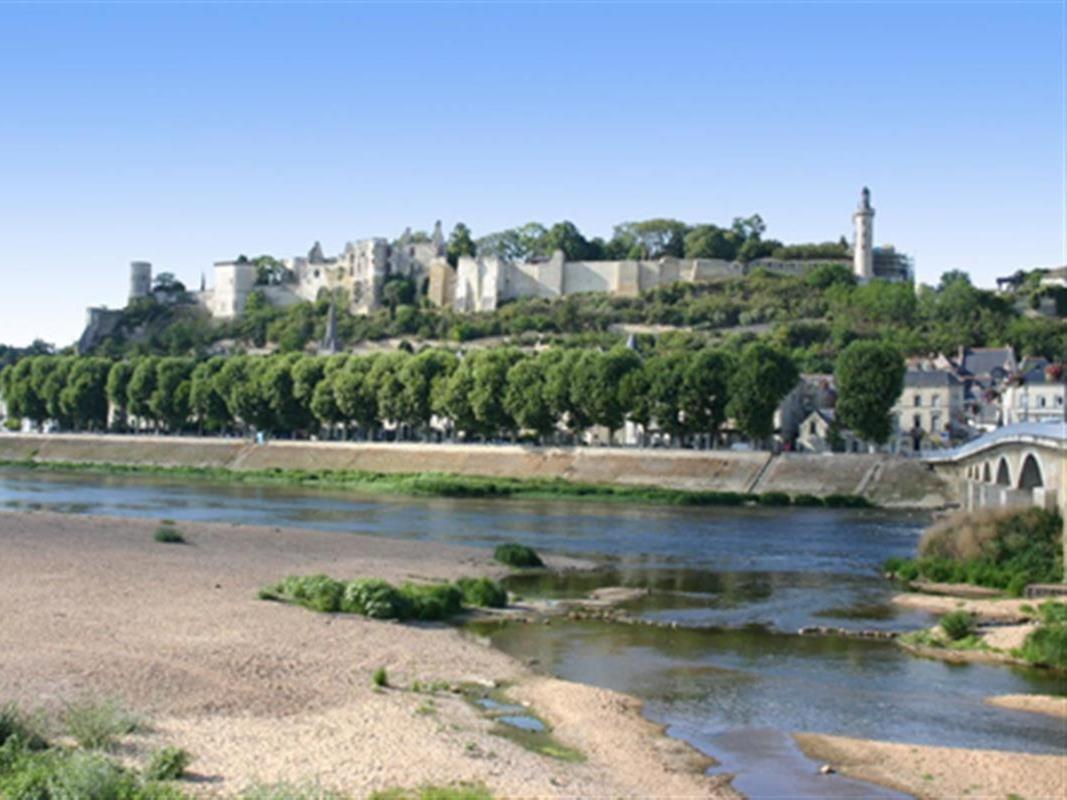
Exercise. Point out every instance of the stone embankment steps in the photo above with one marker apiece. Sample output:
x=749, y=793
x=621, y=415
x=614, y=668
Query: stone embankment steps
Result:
x=884, y=479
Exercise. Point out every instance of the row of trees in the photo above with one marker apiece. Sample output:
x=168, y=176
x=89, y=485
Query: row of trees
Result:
x=492, y=393
x=653, y=238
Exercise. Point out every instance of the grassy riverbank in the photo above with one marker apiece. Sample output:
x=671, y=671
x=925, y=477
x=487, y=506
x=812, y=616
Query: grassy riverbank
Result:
x=436, y=484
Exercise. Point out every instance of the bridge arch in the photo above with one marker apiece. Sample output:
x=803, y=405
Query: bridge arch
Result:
x=987, y=476
x=1030, y=476
x=1003, y=472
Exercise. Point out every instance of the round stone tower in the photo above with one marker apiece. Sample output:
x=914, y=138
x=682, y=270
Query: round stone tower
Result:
x=140, y=279
x=863, y=252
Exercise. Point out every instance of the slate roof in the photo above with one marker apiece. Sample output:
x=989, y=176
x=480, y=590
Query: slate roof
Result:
x=923, y=379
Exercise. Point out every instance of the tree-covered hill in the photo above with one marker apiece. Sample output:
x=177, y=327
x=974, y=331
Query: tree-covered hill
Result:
x=813, y=316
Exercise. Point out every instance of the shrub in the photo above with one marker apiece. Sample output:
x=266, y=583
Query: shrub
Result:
x=1053, y=612
x=167, y=764
x=773, y=499
x=433, y=601
x=374, y=598
x=168, y=535
x=517, y=555
x=483, y=592
x=317, y=592
x=808, y=500
x=846, y=501
x=380, y=678
x=97, y=724
x=957, y=625
x=1047, y=645
x=14, y=724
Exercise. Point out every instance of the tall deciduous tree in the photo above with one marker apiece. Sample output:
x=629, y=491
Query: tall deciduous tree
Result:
x=870, y=378
x=763, y=377
x=460, y=243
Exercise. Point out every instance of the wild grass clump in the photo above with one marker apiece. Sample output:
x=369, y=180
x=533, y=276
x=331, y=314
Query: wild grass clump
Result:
x=808, y=500
x=168, y=535
x=517, y=555
x=483, y=592
x=1053, y=612
x=97, y=724
x=380, y=678
x=994, y=548
x=56, y=773
x=22, y=728
x=958, y=624
x=379, y=599
x=167, y=764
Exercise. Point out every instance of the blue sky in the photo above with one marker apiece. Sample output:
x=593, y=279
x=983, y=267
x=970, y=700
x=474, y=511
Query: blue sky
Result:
x=183, y=134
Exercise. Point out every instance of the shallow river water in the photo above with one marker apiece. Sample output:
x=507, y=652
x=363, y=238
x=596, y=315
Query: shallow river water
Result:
x=734, y=678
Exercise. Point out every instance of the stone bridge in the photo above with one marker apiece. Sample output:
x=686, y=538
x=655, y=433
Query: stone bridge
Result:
x=1017, y=465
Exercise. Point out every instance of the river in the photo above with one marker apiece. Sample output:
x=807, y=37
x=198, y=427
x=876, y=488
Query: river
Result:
x=733, y=678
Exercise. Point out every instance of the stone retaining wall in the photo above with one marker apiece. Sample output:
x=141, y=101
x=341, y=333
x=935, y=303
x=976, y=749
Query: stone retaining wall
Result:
x=883, y=479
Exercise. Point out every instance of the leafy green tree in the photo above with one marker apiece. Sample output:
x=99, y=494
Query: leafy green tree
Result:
x=455, y=397
x=597, y=386
x=490, y=371
x=398, y=292
x=276, y=387
x=49, y=380
x=205, y=403
x=118, y=380
x=652, y=238
x=84, y=398
x=421, y=378
x=763, y=377
x=140, y=388
x=169, y=400
x=711, y=241
x=515, y=244
x=665, y=375
x=869, y=378
x=705, y=390
x=560, y=371
x=565, y=236
x=356, y=395
x=22, y=398
x=460, y=244
x=524, y=397
x=384, y=380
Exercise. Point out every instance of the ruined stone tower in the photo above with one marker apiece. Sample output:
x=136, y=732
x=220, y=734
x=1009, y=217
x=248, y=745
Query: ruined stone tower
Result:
x=863, y=252
x=140, y=279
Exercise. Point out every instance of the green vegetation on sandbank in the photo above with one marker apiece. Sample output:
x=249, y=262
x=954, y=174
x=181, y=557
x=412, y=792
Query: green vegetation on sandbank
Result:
x=437, y=484
x=378, y=599
x=996, y=549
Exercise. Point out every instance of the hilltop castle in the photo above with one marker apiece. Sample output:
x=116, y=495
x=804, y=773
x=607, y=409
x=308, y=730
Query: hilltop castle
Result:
x=476, y=283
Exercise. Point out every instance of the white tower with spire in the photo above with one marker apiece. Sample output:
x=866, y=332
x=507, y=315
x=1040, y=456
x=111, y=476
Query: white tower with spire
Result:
x=863, y=252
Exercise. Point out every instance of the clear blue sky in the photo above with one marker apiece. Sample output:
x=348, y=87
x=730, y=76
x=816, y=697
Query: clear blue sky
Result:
x=182, y=134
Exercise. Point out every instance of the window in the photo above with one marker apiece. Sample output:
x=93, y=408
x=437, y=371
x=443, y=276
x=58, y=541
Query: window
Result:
x=814, y=430
x=935, y=421
x=935, y=401
x=1041, y=401
x=918, y=400
x=917, y=421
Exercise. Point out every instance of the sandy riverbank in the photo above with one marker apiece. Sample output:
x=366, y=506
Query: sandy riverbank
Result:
x=1035, y=703
x=942, y=772
x=261, y=691
x=998, y=610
